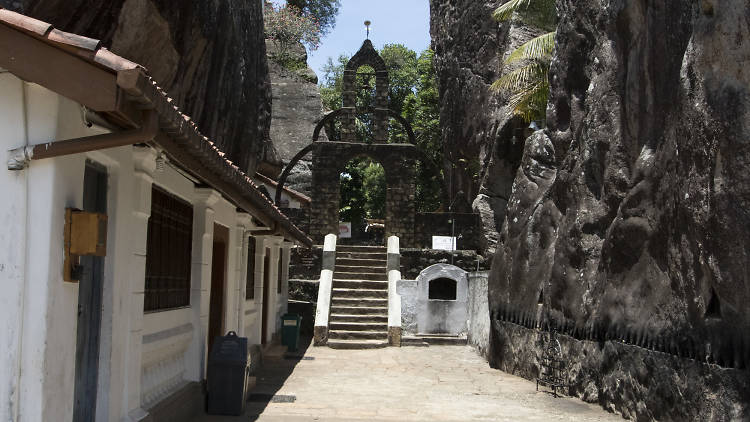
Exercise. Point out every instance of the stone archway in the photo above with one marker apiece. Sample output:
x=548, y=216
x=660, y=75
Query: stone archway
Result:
x=398, y=161
x=329, y=157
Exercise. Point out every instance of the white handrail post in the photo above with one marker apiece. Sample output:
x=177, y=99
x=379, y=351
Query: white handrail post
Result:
x=394, y=299
x=323, y=309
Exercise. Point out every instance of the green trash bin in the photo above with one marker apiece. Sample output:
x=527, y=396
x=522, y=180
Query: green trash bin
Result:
x=290, y=327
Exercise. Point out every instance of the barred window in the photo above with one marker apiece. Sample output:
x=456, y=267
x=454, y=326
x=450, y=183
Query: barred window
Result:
x=250, y=277
x=168, y=251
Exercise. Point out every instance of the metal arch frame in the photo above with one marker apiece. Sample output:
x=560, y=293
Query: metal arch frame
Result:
x=316, y=135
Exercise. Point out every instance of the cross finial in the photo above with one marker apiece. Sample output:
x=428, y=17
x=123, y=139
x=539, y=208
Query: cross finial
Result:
x=367, y=25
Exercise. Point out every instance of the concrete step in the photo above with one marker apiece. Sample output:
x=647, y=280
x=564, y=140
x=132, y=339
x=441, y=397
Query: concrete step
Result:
x=360, y=310
x=360, y=284
x=361, y=293
x=360, y=276
x=357, y=344
x=359, y=262
x=357, y=335
x=351, y=248
x=433, y=340
x=361, y=255
x=357, y=302
x=361, y=269
x=358, y=326
x=361, y=319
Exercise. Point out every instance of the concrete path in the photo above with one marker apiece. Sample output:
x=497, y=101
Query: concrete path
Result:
x=437, y=383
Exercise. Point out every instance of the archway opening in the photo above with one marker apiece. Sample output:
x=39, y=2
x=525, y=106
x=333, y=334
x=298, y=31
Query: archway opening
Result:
x=362, y=206
x=442, y=288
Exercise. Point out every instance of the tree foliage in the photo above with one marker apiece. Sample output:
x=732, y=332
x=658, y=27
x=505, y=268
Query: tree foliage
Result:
x=285, y=26
x=527, y=84
x=323, y=11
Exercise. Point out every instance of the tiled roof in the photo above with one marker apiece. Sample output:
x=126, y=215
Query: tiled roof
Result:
x=183, y=141
x=293, y=193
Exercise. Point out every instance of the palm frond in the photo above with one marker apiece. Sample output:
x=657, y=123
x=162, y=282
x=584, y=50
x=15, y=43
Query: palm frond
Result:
x=519, y=79
x=538, y=48
x=531, y=104
x=504, y=12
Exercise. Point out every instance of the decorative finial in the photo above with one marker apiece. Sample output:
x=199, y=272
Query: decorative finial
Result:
x=367, y=25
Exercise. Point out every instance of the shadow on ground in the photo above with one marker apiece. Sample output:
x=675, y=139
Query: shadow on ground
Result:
x=271, y=377
x=277, y=366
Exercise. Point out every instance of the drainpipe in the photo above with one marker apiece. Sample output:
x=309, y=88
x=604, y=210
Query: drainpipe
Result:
x=21, y=157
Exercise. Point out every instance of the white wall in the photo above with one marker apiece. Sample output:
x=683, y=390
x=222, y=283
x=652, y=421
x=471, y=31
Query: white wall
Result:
x=143, y=357
x=12, y=245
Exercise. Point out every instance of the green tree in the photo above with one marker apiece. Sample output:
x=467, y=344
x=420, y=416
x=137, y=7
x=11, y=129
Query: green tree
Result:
x=285, y=26
x=527, y=84
x=324, y=12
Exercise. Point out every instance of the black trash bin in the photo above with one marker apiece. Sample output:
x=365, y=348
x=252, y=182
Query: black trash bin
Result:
x=228, y=370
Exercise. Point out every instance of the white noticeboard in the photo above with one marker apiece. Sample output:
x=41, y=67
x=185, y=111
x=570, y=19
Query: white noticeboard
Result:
x=445, y=243
x=345, y=230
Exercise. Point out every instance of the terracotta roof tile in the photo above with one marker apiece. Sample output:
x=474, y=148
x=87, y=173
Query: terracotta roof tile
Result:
x=142, y=88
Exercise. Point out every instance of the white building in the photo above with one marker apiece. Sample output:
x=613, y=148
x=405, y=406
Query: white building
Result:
x=193, y=249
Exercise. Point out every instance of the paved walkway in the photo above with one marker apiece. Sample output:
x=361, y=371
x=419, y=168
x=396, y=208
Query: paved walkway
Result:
x=437, y=383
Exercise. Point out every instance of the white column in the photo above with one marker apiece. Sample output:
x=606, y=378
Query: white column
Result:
x=200, y=286
x=394, y=299
x=144, y=162
x=243, y=225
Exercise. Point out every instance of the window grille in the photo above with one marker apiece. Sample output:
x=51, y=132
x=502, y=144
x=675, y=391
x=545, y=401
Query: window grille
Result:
x=168, y=252
x=250, y=277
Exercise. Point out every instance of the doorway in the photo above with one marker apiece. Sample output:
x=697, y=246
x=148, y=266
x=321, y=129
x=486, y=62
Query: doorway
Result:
x=89, y=303
x=362, y=202
x=218, y=284
x=264, y=308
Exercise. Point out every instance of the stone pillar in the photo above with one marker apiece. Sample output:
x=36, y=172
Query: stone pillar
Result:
x=200, y=287
x=144, y=162
x=380, y=128
x=399, y=208
x=324, y=216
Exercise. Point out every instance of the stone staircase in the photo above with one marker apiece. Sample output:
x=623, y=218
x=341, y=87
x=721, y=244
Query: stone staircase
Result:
x=359, y=299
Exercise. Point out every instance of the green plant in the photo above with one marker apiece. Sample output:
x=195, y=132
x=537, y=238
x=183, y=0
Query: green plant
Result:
x=285, y=26
x=528, y=83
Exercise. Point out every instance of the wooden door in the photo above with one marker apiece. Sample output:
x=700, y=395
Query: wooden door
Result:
x=89, y=304
x=266, y=283
x=218, y=283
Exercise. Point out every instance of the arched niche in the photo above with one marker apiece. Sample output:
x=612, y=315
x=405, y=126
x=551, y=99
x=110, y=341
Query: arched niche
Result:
x=446, y=315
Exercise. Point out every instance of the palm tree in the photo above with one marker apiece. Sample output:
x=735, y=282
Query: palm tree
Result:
x=528, y=83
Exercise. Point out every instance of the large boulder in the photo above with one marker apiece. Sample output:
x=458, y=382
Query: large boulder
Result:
x=627, y=229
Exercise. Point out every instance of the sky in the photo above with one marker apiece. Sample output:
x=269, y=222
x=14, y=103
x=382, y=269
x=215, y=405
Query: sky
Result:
x=393, y=21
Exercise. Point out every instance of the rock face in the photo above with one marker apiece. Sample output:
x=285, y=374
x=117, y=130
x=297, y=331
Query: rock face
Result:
x=208, y=55
x=482, y=141
x=297, y=109
x=627, y=229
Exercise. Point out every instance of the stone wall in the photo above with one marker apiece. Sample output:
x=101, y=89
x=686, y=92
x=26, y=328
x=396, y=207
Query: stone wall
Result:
x=304, y=263
x=466, y=229
x=628, y=223
x=413, y=261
